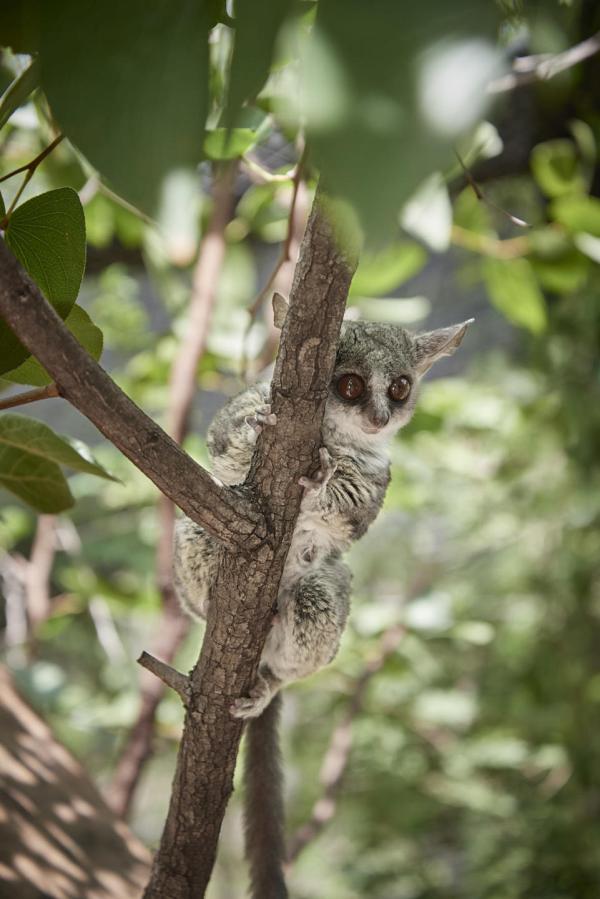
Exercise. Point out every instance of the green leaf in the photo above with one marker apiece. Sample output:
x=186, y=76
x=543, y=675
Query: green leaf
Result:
x=379, y=92
x=577, y=214
x=556, y=168
x=257, y=24
x=2, y=207
x=18, y=91
x=47, y=235
x=82, y=327
x=514, y=290
x=565, y=274
x=221, y=143
x=471, y=214
x=379, y=273
x=37, y=439
x=38, y=482
x=428, y=214
x=20, y=25
x=128, y=83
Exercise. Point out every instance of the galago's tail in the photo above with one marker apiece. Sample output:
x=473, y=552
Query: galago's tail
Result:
x=263, y=805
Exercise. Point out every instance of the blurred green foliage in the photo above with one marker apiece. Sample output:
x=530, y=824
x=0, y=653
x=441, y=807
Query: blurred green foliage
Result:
x=473, y=772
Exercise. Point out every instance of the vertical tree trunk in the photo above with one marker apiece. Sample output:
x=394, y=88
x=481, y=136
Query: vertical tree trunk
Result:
x=245, y=591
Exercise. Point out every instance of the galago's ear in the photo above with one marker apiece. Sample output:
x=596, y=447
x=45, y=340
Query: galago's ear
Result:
x=280, y=308
x=432, y=345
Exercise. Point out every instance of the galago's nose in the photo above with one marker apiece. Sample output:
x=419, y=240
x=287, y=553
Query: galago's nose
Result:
x=378, y=417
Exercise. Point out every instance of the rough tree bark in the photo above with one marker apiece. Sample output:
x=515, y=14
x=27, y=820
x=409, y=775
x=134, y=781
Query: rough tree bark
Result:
x=245, y=592
x=254, y=523
x=173, y=624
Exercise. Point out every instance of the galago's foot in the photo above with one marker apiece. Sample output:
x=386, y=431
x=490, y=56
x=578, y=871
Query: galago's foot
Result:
x=326, y=470
x=254, y=704
x=263, y=416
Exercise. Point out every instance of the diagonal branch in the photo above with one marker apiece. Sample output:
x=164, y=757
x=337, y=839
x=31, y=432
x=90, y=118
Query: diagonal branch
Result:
x=173, y=626
x=542, y=67
x=225, y=513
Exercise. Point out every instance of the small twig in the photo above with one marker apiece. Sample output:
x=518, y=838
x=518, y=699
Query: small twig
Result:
x=168, y=675
x=29, y=396
x=173, y=626
x=89, y=190
x=33, y=164
x=254, y=168
x=285, y=249
x=485, y=199
x=182, y=383
x=527, y=69
x=284, y=257
x=29, y=169
x=38, y=571
x=125, y=204
x=512, y=248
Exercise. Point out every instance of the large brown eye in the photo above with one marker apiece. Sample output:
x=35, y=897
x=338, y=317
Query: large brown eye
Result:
x=350, y=387
x=399, y=389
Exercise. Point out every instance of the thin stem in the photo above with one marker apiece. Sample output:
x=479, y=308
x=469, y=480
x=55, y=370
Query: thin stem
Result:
x=29, y=169
x=29, y=396
x=254, y=168
x=284, y=257
x=512, y=248
x=527, y=69
x=39, y=569
x=173, y=626
x=33, y=164
x=168, y=675
x=521, y=223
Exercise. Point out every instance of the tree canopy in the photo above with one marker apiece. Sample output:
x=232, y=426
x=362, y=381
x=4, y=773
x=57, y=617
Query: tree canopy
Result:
x=158, y=163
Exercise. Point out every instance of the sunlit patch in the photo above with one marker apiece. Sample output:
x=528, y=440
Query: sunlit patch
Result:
x=18, y=771
x=65, y=812
x=451, y=81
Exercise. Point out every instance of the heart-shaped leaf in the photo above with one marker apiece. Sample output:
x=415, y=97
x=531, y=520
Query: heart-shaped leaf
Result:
x=37, y=439
x=514, y=290
x=82, y=327
x=128, y=84
x=47, y=235
x=38, y=482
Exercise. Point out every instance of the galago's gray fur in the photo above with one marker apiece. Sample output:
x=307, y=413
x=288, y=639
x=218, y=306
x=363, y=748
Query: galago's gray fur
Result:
x=372, y=395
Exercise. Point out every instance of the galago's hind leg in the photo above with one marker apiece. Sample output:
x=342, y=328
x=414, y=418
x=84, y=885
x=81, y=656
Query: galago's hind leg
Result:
x=305, y=634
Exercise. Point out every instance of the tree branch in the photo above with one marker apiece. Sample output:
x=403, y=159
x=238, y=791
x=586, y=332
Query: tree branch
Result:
x=29, y=396
x=38, y=571
x=285, y=255
x=245, y=590
x=173, y=625
x=225, y=513
x=542, y=67
x=168, y=675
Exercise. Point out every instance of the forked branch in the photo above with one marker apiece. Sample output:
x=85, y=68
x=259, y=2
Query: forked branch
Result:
x=225, y=513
